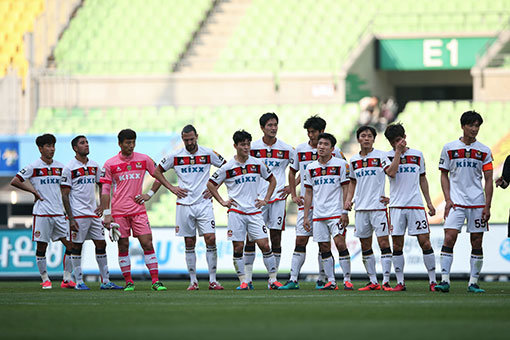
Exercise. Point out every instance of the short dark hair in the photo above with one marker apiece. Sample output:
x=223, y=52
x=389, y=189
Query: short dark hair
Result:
x=329, y=137
x=189, y=128
x=266, y=117
x=316, y=123
x=126, y=134
x=393, y=131
x=47, y=138
x=241, y=136
x=469, y=117
x=75, y=140
x=365, y=128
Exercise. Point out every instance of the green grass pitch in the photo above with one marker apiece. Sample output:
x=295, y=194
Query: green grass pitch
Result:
x=27, y=312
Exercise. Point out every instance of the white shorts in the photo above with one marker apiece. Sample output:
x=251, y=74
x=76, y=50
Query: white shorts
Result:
x=456, y=218
x=189, y=218
x=49, y=228
x=413, y=219
x=274, y=215
x=322, y=230
x=89, y=228
x=300, y=230
x=239, y=225
x=368, y=221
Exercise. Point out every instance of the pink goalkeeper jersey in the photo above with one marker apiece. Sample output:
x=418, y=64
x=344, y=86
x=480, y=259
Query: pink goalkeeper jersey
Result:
x=125, y=175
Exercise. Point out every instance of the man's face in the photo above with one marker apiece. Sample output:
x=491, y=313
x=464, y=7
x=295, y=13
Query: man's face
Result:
x=190, y=141
x=471, y=130
x=313, y=135
x=270, y=129
x=243, y=148
x=127, y=146
x=324, y=148
x=397, y=140
x=47, y=151
x=82, y=148
x=366, y=139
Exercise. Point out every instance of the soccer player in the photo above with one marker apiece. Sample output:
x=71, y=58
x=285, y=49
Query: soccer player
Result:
x=79, y=180
x=327, y=183
x=305, y=154
x=192, y=165
x=49, y=223
x=277, y=155
x=242, y=176
x=407, y=176
x=124, y=173
x=463, y=162
x=367, y=172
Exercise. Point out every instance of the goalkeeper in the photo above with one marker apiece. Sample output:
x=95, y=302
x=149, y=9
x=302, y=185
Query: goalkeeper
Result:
x=123, y=174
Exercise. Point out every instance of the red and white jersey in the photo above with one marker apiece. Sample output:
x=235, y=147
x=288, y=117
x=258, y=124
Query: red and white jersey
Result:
x=82, y=179
x=369, y=173
x=243, y=181
x=193, y=171
x=405, y=187
x=306, y=154
x=45, y=178
x=277, y=157
x=466, y=164
x=326, y=181
x=125, y=175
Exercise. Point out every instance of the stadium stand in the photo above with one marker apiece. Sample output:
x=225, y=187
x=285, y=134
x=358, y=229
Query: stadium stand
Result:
x=128, y=37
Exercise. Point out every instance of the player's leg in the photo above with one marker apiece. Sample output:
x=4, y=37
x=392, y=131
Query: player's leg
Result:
x=276, y=224
x=298, y=258
x=399, y=223
x=364, y=231
x=381, y=225
x=237, y=230
x=76, y=260
x=257, y=231
x=249, y=258
x=185, y=219
x=239, y=264
x=191, y=261
x=61, y=231
x=123, y=246
x=276, y=245
x=322, y=235
x=452, y=227
x=344, y=257
x=40, y=259
x=429, y=258
x=476, y=227
x=151, y=260
x=212, y=260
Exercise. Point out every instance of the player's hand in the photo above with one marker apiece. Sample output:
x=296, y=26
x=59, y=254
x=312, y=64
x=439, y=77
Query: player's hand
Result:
x=260, y=203
x=384, y=200
x=284, y=192
x=432, y=210
x=449, y=205
x=500, y=182
x=401, y=146
x=229, y=203
x=141, y=199
x=486, y=214
x=74, y=226
x=299, y=200
x=207, y=194
x=344, y=220
x=179, y=192
x=306, y=224
x=99, y=211
x=348, y=205
x=108, y=219
x=37, y=197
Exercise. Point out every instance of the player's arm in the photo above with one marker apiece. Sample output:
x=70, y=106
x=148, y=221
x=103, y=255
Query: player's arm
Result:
x=25, y=186
x=177, y=191
x=424, y=186
x=393, y=168
x=308, y=205
x=141, y=199
x=344, y=219
x=213, y=189
x=489, y=188
x=66, y=190
x=350, y=194
x=270, y=189
x=105, y=206
x=292, y=186
x=445, y=187
x=504, y=180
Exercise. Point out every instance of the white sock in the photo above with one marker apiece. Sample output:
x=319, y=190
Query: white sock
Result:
x=345, y=264
x=68, y=268
x=78, y=274
x=369, y=262
x=322, y=274
x=386, y=266
x=298, y=258
x=249, y=258
x=239, y=267
x=41, y=265
x=398, y=263
x=270, y=263
x=212, y=260
x=277, y=256
x=329, y=267
x=102, y=263
x=446, y=265
x=430, y=263
x=191, y=262
x=476, y=263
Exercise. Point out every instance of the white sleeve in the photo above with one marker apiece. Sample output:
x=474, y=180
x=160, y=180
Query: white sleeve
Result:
x=216, y=159
x=219, y=176
x=167, y=162
x=66, y=179
x=444, y=161
x=25, y=173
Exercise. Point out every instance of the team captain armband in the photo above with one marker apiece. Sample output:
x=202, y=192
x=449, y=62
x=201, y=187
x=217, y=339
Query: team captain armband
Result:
x=487, y=167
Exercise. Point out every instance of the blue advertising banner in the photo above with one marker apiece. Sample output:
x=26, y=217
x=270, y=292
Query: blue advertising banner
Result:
x=9, y=158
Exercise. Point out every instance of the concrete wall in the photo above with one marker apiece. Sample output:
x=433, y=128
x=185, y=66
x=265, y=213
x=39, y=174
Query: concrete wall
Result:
x=491, y=84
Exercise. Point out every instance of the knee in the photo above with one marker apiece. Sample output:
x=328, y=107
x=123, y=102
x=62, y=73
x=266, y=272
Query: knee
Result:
x=210, y=240
x=301, y=241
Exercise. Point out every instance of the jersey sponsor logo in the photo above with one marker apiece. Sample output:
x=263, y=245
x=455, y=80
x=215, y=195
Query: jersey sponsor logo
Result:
x=47, y=172
x=464, y=153
x=321, y=181
x=186, y=160
x=191, y=169
x=408, y=169
x=365, y=172
x=275, y=153
x=245, y=179
x=366, y=163
x=248, y=169
x=127, y=177
x=88, y=180
x=466, y=164
x=138, y=165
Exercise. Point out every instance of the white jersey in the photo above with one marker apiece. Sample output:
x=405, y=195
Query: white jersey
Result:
x=45, y=178
x=369, y=173
x=465, y=164
x=326, y=181
x=306, y=154
x=82, y=179
x=405, y=187
x=193, y=171
x=277, y=157
x=243, y=181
